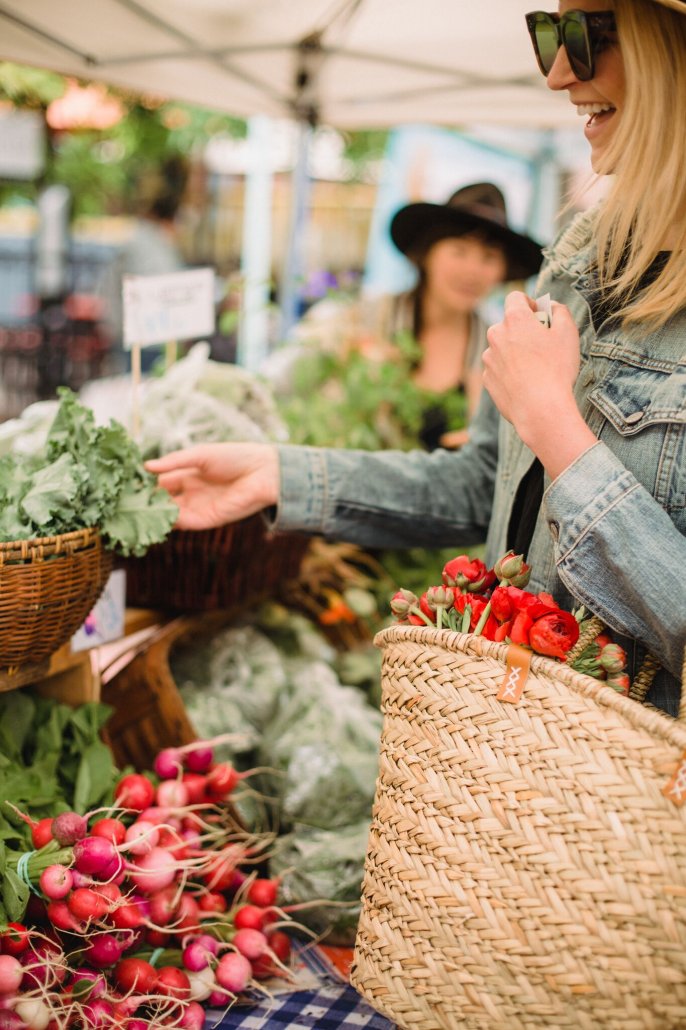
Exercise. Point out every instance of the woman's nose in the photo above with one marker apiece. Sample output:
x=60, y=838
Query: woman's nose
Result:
x=561, y=75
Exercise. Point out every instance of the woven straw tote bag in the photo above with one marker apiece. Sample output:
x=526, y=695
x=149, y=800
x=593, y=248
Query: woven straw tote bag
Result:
x=526, y=864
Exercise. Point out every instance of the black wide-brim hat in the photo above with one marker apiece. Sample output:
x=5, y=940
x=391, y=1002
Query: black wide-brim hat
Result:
x=674, y=5
x=479, y=208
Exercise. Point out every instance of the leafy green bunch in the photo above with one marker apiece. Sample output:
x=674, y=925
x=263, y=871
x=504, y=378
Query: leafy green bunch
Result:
x=86, y=475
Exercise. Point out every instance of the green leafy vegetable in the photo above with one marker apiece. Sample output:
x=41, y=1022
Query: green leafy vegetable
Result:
x=86, y=475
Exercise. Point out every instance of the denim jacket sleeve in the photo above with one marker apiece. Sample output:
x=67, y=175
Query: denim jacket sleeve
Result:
x=619, y=552
x=393, y=498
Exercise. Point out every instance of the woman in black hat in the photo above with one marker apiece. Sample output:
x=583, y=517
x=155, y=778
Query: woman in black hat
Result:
x=462, y=251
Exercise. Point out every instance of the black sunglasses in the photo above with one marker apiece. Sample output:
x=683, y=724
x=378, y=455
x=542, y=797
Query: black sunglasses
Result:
x=583, y=35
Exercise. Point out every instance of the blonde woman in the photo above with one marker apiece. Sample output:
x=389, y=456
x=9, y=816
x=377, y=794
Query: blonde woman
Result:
x=577, y=455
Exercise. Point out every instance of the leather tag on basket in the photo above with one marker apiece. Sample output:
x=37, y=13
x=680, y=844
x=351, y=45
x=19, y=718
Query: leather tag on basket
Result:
x=516, y=674
x=676, y=788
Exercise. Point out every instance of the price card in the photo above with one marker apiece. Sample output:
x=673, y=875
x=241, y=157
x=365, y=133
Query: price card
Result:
x=160, y=308
x=106, y=619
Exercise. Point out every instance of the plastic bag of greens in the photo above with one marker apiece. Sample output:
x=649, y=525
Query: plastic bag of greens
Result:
x=323, y=864
x=324, y=743
x=230, y=683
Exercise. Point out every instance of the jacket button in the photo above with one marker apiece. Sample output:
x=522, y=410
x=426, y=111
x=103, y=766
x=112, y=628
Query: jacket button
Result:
x=634, y=417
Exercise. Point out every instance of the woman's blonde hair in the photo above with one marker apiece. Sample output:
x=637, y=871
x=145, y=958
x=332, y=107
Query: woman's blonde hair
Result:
x=645, y=209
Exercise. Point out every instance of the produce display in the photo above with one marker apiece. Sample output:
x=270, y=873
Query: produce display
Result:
x=127, y=900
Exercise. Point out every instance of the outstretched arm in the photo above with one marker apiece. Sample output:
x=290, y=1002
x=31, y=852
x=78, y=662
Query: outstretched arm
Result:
x=216, y=483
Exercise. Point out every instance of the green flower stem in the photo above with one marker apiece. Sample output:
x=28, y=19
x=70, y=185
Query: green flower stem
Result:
x=417, y=611
x=479, y=628
x=439, y=616
x=466, y=618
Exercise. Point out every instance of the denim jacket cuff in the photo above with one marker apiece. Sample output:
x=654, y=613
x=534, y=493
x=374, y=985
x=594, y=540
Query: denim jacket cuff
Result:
x=586, y=490
x=302, y=492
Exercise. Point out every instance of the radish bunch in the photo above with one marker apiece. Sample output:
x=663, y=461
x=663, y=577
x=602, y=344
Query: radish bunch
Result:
x=145, y=911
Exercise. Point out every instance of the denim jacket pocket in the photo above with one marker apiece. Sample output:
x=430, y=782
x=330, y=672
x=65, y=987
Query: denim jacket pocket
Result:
x=642, y=402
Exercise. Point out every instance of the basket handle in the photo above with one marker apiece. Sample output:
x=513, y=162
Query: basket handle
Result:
x=645, y=675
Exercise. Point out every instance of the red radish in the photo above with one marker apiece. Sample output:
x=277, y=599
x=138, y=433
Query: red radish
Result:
x=61, y=918
x=15, y=939
x=195, y=785
x=167, y=764
x=41, y=832
x=92, y=855
x=86, y=904
x=221, y=780
x=56, y=881
x=11, y=974
x=211, y=901
x=251, y=943
x=138, y=1024
x=33, y=1012
x=199, y=759
x=86, y=983
x=172, y=842
x=157, y=938
x=110, y=829
x=263, y=892
x=280, y=947
x=164, y=905
x=233, y=972
x=188, y=914
x=154, y=871
x=192, y=1017
x=109, y=891
x=172, y=794
x=103, y=950
x=135, y=974
x=114, y=872
x=68, y=827
x=126, y=917
x=97, y=1013
x=134, y=791
x=142, y=837
x=11, y=1020
x=219, y=999
x=43, y=964
x=173, y=983
x=250, y=917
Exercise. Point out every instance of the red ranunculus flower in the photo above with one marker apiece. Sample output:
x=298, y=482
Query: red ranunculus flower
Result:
x=521, y=626
x=554, y=634
x=468, y=574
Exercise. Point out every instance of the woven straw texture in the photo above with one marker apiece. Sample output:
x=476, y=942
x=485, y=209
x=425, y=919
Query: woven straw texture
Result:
x=524, y=868
x=208, y=569
x=47, y=588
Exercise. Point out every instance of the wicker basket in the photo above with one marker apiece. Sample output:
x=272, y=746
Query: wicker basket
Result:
x=214, y=568
x=47, y=588
x=526, y=868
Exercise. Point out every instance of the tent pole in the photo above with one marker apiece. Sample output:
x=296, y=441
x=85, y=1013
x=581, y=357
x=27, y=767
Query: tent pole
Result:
x=253, y=326
x=294, y=263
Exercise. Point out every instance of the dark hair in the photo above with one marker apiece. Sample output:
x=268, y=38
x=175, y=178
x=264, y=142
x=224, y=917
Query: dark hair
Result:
x=162, y=188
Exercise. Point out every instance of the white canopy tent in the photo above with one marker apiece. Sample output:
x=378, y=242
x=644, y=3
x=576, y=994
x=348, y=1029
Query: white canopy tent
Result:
x=346, y=63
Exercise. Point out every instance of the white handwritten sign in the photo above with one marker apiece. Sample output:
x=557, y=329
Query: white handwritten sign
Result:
x=160, y=308
x=106, y=620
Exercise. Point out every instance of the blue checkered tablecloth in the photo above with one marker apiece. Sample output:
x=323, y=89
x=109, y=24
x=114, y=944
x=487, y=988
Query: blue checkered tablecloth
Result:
x=331, y=1007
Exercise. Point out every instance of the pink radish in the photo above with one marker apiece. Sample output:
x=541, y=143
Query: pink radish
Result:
x=172, y=794
x=251, y=943
x=142, y=837
x=168, y=764
x=193, y=1017
x=154, y=871
x=56, y=881
x=103, y=950
x=233, y=972
x=199, y=759
x=11, y=974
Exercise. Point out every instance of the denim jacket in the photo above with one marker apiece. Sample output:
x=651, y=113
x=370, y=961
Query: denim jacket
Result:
x=611, y=533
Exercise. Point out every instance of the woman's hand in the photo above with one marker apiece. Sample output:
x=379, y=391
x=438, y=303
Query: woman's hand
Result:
x=530, y=372
x=216, y=483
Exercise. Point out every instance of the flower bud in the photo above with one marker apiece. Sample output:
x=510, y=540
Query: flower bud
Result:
x=440, y=597
x=619, y=681
x=402, y=601
x=513, y=568
x=613, y=658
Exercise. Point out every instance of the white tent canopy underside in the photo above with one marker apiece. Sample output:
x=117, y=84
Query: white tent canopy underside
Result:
x=374, y=63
